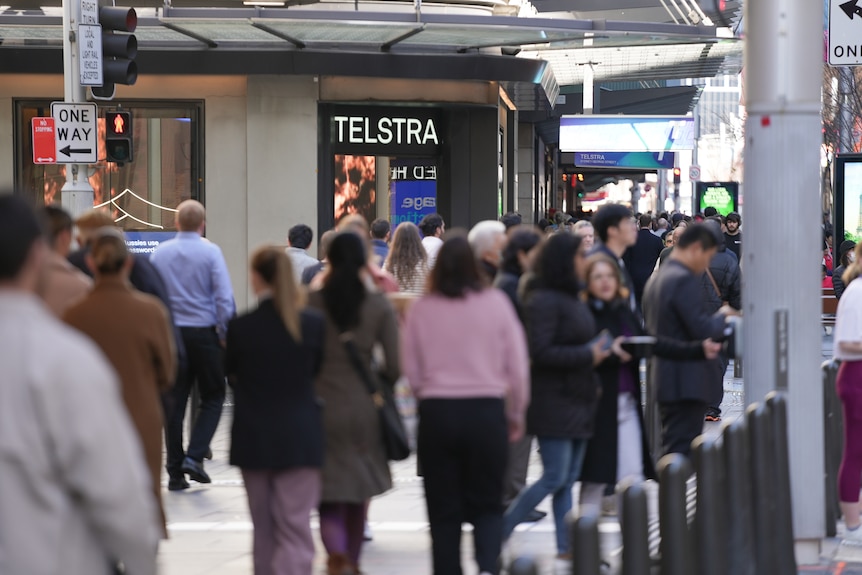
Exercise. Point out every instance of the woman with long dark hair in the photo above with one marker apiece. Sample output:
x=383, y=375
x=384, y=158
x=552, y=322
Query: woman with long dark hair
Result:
x=565, y=389
x=358, y=319
x=407, y=260
x=518, y=257
x=465, y=357
x=272, y=356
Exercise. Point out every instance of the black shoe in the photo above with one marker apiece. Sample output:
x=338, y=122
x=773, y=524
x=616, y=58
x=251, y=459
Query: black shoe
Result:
x=177, y=484
x=534, y=515
x=195, y=470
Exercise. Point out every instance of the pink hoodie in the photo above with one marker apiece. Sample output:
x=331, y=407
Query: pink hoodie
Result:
x=467, y=348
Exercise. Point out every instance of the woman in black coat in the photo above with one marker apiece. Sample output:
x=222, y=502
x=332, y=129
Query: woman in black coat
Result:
x=618, y=449
x=564, y=386
x=272, y=355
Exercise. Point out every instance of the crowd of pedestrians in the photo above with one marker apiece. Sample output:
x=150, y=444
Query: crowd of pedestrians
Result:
x=503, y=333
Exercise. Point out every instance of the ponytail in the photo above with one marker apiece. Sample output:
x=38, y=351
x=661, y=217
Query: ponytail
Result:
x=275, y=268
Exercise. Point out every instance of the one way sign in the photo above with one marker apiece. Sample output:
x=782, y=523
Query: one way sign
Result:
x=77, y=134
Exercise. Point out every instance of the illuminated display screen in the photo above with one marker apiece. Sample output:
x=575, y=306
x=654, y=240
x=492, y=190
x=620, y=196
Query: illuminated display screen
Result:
x=723, y=196
x=626, y=133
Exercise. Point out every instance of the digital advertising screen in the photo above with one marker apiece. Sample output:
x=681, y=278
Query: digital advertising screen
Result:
x=848, y=197
x=723, y=196
x=626, y=133
x=412, y=190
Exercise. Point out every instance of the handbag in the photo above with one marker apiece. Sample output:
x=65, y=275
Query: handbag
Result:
x=391, y=426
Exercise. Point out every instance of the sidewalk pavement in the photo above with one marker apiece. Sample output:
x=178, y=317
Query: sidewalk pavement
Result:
x=210, y=528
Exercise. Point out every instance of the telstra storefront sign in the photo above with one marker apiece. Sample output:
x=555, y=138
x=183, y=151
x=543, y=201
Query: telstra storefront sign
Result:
x=626, y=133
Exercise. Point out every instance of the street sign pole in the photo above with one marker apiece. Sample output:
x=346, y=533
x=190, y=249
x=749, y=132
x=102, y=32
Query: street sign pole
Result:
x=783, y=57
x=77, y=193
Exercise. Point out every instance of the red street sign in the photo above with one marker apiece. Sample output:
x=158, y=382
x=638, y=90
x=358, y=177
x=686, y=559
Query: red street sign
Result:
x=44, y=141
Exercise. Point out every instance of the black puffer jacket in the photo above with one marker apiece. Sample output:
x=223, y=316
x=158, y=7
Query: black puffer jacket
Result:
x=724, y=268
x=565, y=388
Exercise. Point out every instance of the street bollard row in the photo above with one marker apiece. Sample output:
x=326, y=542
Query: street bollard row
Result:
x=743, y=521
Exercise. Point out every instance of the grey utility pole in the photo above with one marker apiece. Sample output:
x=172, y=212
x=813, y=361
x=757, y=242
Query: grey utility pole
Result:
x=781, y=251
x=76, y=193
x=846, y=86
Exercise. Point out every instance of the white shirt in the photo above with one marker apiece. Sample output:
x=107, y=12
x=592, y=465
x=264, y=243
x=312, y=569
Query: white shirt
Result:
x=74, y=489
x=848, y=322
x=432, y=246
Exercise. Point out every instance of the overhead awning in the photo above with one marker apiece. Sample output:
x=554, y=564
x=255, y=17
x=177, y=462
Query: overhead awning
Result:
x=551, y=52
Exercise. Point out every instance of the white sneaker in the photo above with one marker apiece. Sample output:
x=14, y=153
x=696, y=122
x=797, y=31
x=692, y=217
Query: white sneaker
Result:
x=853, y=536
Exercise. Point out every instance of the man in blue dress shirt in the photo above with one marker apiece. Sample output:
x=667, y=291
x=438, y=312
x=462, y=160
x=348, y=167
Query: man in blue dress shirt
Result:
x=202, y=302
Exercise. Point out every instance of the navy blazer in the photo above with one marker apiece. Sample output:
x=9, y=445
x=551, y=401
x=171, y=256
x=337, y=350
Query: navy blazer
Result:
x=277, y=422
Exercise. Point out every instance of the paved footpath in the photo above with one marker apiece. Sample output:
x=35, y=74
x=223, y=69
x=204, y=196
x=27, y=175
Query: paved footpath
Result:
x=210, y=527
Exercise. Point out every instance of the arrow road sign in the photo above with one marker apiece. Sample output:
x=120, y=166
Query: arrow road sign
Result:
x=76, y=129
x=851, y=8
x=845, y=33
x=69, y=151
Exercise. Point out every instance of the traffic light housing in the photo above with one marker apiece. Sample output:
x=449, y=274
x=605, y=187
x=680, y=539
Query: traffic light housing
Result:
x=118, y=137
x=676, y=176
x=119, y=49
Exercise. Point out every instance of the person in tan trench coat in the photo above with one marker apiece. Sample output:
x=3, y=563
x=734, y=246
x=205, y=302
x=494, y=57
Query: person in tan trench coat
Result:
x=355, y=468
x=133, y=331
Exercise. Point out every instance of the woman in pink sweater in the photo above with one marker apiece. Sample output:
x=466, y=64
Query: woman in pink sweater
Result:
x=465, y=356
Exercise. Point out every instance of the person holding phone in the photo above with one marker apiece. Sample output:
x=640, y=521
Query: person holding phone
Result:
x=564, y=352
x=618, y=450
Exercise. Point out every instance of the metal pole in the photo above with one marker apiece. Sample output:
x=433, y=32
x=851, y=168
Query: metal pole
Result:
x=710, y=524
x=845, y=110
x=783, y=52
x=585, y=546
x=740, y=517
x=77, y=193
x=777, y=408
x=635, y=527
x=833, y=424
x=524, y=566
x=763, y=487
x=674, y=471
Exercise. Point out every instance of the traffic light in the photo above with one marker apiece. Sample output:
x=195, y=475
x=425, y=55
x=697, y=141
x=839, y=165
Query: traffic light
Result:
x=119, y=49
x=118, y=137
x=676, y=175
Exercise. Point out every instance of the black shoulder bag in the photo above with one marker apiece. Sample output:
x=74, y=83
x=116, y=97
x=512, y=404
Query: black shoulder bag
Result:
x=391, y=426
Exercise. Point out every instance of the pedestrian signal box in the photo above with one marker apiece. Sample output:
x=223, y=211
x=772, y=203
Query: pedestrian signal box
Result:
x=118, y=137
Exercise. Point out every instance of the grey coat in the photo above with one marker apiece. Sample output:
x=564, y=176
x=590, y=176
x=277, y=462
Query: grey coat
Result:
x=354, y=462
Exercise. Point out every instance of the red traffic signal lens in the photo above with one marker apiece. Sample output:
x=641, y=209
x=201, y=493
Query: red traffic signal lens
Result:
x=118, y=123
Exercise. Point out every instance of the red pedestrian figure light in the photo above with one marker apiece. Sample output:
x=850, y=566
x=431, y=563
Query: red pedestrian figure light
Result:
x=119, y=124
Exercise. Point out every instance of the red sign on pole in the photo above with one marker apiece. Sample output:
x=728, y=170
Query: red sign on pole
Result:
x=44, y=141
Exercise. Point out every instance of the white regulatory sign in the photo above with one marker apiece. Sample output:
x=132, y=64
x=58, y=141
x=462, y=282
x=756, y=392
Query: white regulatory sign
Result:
x=76, y=130
x=694, y=173
x=845, y=33
x=89, y=12
x=90, y=54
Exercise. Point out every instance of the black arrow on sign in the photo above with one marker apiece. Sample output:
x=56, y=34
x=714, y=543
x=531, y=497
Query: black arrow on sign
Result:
x=69, y=150
x=850, y=8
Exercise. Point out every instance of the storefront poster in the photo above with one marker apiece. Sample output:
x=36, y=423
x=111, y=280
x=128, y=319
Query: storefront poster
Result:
x=355, y=186
x=412, y=191
x=145, y=243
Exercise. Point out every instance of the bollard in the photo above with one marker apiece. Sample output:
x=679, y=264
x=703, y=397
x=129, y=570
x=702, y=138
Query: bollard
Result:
x=763, y=487
x=584, y=532
x=635, y=527
x=783, y=519
x=740, y=517
x=710, y=524
x=674, y=471
x=524, y=566
x=833, y=438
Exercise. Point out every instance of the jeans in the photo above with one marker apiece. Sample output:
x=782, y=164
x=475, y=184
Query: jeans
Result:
x=205, y=368
x=562, y=460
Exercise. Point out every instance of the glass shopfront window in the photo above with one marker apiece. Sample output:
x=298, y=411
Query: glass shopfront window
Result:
x=141, y=195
